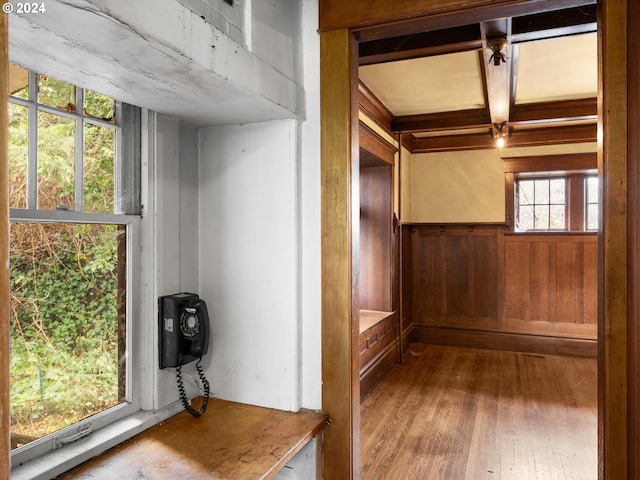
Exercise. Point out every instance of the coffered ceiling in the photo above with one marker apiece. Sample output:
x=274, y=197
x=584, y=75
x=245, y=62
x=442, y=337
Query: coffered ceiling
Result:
x=445, y=89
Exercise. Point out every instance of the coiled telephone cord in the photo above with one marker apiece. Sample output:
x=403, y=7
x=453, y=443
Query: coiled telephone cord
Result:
x=183, y=394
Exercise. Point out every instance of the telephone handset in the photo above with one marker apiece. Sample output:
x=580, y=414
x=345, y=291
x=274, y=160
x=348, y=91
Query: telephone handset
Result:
x=183, y=323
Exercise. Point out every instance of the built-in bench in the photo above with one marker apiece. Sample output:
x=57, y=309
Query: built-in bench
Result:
x=378, y=347
x=231, y=440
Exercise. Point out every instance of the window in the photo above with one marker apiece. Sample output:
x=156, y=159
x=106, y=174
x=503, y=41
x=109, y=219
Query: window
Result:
x=541, y=204
x=552, y=193
x=74, y=166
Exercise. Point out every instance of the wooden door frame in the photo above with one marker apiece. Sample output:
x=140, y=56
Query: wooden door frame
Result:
x=619, y=262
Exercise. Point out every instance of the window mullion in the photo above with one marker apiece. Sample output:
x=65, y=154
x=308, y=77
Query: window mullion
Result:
x=78, y=181
x=32, y=155
x=127, y=167
x=576, y=207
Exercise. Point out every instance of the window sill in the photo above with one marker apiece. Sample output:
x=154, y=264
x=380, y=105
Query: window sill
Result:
x=58, y=461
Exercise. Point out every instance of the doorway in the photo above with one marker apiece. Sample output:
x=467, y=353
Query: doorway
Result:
x=338, y=49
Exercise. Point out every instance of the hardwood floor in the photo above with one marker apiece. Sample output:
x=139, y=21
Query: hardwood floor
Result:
x=450, y=413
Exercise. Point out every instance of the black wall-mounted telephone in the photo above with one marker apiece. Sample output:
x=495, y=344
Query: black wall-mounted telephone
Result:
x=183, y=336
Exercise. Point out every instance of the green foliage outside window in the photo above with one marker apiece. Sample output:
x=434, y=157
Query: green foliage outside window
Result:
x=63, y=276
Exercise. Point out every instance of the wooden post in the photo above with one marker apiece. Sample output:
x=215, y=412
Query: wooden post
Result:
x=614, y=295
x=340, y=223
x=5, y=420
x=633, y=159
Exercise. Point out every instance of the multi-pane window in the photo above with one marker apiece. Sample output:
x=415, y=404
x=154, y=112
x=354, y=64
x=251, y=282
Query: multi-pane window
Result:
x=74, y=201
x=541, y=204
x=591, y=201
x=552, y=193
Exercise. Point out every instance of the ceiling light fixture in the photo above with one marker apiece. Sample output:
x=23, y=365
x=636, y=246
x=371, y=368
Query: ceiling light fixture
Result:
x=496, y=45
x=500, y=134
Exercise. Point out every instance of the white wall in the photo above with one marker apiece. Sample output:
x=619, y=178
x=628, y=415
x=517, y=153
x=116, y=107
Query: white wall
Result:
x=311, y=332
x=236, y=65
x=248, y=250
x=176, y=262
x=275, y=32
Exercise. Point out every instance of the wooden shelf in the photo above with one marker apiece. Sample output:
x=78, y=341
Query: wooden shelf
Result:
x=231, y=440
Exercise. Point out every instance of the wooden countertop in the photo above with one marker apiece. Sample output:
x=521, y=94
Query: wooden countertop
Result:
x=230, y=441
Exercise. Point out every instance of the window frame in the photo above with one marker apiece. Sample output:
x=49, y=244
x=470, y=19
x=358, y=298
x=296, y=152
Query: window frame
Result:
x=575, y=168
x=128, y=188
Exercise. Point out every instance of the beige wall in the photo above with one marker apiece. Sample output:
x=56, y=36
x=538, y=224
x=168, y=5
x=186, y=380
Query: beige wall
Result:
x=462, y=187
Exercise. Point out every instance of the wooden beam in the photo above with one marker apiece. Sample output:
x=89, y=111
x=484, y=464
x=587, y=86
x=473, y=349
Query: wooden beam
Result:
x=553, y=135
x=497, y=67
x=532, y=113
x=558, y=23
x=474, y=118
x=339, y=262
x=378, y=19
x=5, y=419
x=549, y=112
x=544, y=163
x=523, y=138
x=453, y=143
x=423, y=44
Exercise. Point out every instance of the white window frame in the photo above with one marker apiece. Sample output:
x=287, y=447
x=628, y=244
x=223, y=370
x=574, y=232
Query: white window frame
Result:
x=59, y=451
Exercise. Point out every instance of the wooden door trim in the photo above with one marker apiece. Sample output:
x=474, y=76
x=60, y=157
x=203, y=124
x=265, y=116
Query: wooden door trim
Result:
x=633, y=157
x=614, y=298
x=339, y=242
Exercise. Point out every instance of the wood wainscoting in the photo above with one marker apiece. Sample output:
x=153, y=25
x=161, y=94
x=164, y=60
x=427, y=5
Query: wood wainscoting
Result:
x=476, y=285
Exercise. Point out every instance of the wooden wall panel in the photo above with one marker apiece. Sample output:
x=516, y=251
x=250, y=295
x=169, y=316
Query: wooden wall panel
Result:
x=569, y=271
x=426, y=275
x=542, y=267
x=590, y=293
x=376, y=213
x=478, y=278
x=456, y=275
x=485, y=273
x=517, y=298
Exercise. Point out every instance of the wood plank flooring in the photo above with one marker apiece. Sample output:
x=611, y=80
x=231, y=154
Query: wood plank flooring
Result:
x=450, y=413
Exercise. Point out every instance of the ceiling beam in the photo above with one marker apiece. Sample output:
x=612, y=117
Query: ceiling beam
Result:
x=439, y=22
x=474, y=118
x=519, y=138
x=551, y=112
x=523, y=114
x=558, y=23
x=497, y=67
x=526, y=28
x=423, y=44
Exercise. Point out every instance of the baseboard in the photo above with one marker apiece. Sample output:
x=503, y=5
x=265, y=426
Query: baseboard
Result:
x=377, y=369
x=573, y=347
x=407, y=338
